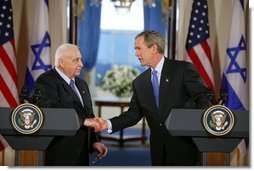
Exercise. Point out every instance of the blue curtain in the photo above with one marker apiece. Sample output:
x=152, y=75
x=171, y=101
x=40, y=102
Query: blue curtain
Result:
x=89, y=34
x=153, y=19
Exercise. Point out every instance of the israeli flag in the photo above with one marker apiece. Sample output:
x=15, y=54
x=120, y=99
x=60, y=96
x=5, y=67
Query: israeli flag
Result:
x=234, y=79
x=39, y=44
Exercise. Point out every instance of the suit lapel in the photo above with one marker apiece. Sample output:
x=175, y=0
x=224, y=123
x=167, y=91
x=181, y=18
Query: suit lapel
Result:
x=83, y=92
x=68, y=88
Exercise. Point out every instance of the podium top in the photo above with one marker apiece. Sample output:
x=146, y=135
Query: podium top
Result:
x=188, y=122
x=57, y=122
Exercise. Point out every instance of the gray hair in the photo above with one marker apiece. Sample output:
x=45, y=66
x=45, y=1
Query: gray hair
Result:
x=62, y=49
x=151, y=38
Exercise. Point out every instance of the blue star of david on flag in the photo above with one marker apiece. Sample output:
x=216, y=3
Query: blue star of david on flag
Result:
x=234, y=78
x=37, y=50
x=233, y=53
x=39, y=60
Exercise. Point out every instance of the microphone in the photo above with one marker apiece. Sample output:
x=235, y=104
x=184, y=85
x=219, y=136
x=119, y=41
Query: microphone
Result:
x=223, y=96
x=211, y=97
x=36, y=96
x=23, y=96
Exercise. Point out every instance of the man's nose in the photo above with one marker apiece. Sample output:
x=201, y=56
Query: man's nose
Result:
x=81, y=63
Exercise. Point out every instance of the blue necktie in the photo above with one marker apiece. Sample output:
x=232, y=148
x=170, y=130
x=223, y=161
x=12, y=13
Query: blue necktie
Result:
x=155, y=87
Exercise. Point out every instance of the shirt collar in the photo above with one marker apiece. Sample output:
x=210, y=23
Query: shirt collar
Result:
x=66, y=79
x=159, y=66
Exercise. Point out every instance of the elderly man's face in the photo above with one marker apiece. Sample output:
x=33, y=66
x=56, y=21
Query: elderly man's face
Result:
x=71, y=63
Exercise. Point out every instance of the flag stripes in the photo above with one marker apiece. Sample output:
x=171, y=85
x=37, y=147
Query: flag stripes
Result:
x=8, y=71
x=203, y=65
x=197, y=43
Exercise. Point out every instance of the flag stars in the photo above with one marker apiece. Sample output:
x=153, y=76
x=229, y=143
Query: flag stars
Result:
x=199, y=27
x=2, y=15
x=6, y=34
x=4, y=7
x=9, y=17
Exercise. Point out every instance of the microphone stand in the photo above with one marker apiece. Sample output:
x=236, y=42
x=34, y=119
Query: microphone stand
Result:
x=36, y=96
x=23, y=96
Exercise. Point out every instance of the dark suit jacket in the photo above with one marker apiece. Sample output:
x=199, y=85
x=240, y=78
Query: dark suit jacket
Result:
x=56, y=93
x=180, y=87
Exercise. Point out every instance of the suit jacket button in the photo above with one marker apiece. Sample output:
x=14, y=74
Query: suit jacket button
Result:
x=160, y=124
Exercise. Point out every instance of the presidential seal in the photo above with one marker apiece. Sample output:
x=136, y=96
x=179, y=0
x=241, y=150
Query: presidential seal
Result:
x=218, y=120
x=27, y=118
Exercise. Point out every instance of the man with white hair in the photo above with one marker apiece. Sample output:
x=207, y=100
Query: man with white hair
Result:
x=61, y=88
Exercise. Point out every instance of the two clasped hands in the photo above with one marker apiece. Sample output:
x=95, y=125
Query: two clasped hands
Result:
x=97, y=123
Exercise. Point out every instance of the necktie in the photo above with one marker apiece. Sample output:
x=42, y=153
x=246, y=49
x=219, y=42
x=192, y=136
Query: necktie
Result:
x=72, y=84
x=155, y=87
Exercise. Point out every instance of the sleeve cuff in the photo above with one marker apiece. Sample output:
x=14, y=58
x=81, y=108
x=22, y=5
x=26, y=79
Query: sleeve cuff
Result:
x=109, y=126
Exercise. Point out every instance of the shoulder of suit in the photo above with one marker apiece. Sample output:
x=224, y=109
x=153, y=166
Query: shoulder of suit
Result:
x=141, y=76
x=80, y=81
x=46, y=74
x=176, y=62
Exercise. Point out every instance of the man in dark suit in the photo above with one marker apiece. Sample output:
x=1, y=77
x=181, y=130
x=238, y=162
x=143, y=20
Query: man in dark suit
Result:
x=61, y=88
x=174, y=84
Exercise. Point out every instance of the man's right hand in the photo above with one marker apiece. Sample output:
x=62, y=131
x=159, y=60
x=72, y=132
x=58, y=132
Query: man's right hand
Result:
x=97, y=123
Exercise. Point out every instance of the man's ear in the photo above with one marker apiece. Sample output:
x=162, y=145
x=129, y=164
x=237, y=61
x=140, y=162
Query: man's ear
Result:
x=61, y=63
x=154, y=48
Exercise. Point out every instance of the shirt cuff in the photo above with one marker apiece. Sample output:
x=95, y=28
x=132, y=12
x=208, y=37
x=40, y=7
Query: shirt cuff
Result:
x=109, y=126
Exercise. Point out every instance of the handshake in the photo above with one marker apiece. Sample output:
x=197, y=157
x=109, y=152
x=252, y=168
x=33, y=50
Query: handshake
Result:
x=97, y=123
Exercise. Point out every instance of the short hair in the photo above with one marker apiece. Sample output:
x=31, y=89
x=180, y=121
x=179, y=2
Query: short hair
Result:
x=62, y=49
x=152, y=37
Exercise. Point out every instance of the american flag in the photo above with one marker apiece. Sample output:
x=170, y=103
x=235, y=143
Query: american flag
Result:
x=8, y=72
x=197, y=44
